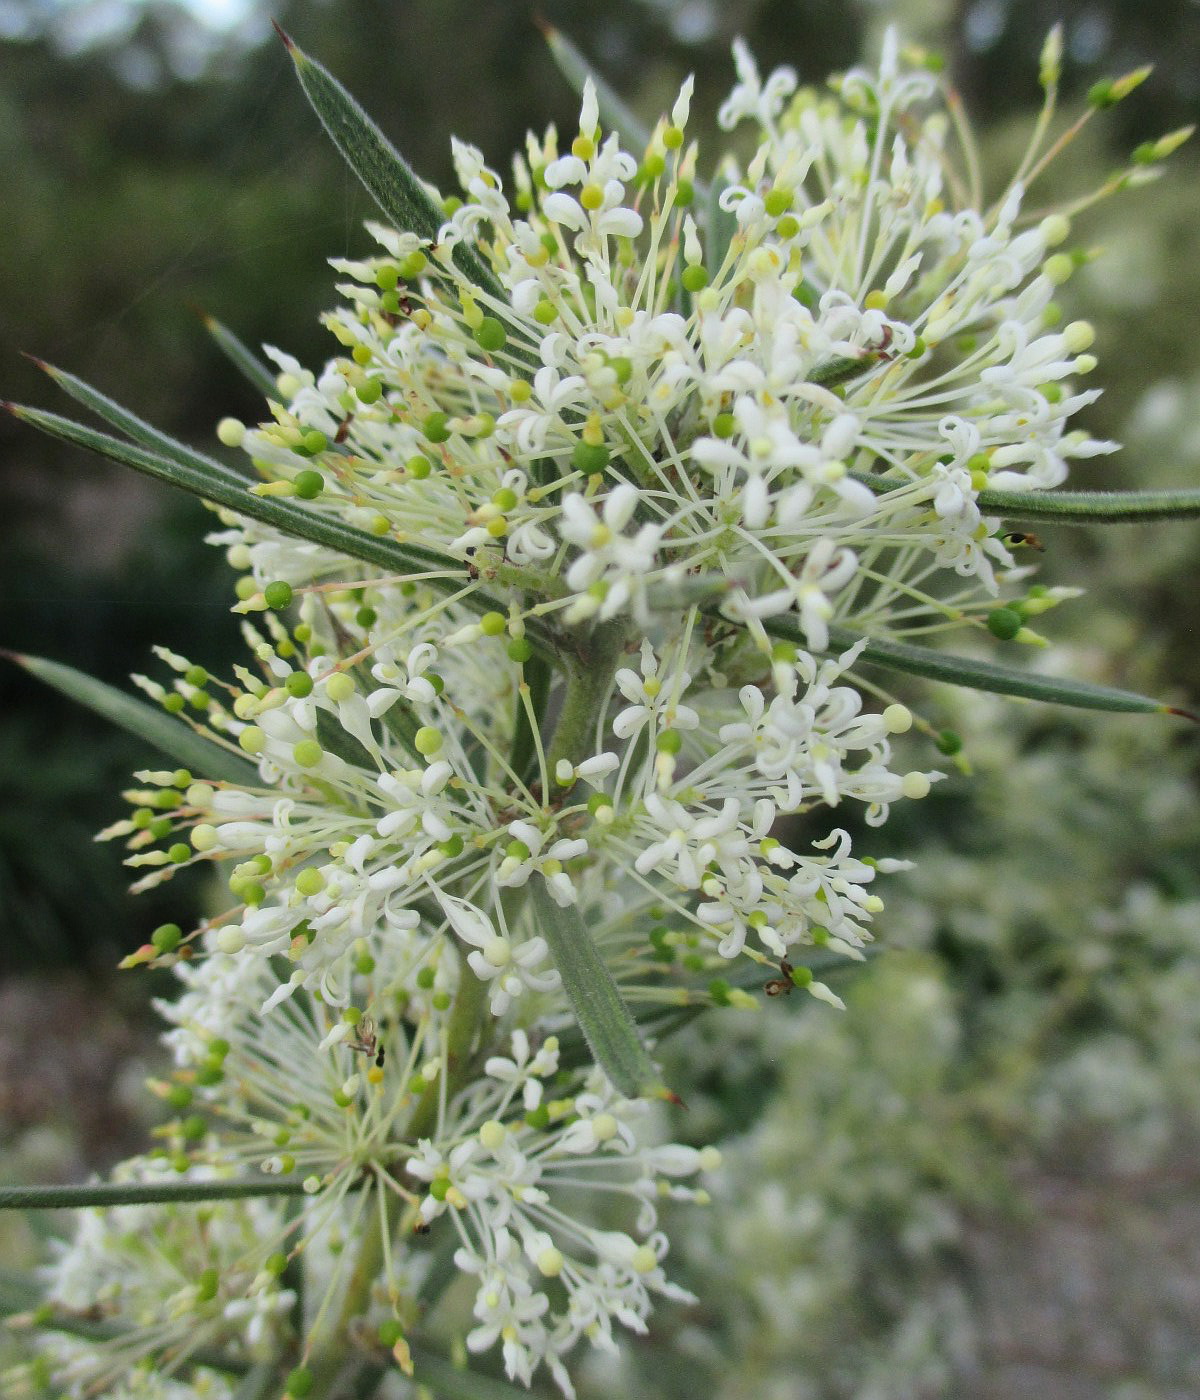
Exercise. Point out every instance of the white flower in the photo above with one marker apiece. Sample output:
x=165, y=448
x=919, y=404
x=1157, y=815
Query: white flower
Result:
x=511, y=968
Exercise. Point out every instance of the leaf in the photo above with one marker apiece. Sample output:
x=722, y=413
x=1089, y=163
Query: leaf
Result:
x=1069, y=507
x=342, y=744
x=238, y=353
x=223, y=488
x=172, y=736
x=379, y=165
x=605, y=1020
x=720, y=225
x=615, y=114
x=980, y=675
x=1092, y=507
x=140, y=1193
x=133, y=426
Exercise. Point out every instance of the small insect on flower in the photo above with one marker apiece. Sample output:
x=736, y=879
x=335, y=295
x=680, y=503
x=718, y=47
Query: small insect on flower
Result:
x=366, y=1042
x=781, y=986
x=1024, y=538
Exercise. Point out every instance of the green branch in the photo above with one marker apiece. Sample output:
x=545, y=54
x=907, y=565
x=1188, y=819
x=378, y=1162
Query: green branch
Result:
x=141, y=1193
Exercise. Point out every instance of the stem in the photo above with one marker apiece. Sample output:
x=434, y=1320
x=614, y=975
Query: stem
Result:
x=141, y=1193
x=589, y=684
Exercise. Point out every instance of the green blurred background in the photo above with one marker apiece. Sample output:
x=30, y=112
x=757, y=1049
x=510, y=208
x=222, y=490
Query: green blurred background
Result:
x=1035, y=1039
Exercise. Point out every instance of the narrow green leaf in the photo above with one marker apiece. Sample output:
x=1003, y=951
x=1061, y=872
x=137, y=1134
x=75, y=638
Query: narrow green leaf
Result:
x=257, y=371
x=1070, y=507
x=720, y=225
x=342, y=744
x=142, y=1193
x=603, y=1017
x=230, y=491
x=450, y=1382
x=615, y=113
x=980, y=675
x=134, y=427
x=170, y=735
x=1092, y=507
x=387, y=176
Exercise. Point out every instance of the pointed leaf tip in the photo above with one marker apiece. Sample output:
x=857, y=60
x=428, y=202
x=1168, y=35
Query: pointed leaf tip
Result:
x=38, y=362
x=1183, y=714
x=288, y=42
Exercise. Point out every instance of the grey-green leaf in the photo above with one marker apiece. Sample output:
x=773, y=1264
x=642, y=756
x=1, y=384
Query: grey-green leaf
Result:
x=981, y=675
x=605, y=1020
x=379, y=165
x=135, y=428
x=1070, y=507
x=224, y=488
x=239, y=354
x=173, y=737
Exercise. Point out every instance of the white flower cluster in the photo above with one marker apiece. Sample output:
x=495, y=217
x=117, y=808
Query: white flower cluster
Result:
x=647, y=452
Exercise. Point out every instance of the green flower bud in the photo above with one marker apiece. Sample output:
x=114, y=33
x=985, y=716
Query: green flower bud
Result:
x=278, y=595
x=489, y=334
x=166, y=937
x=427, y=740
x=339, y=687
x=310, y=881
x=300, y=1383
x=308, y=753
x=1004, y=623
x=436, y=427
x=589, y=458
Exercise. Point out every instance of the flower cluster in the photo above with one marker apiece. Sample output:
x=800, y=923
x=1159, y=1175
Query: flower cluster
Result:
x=650, y=459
